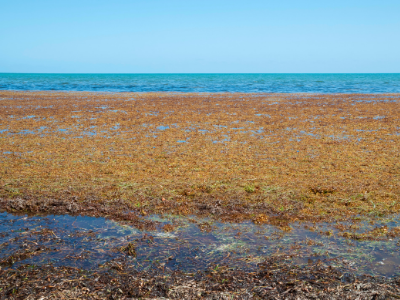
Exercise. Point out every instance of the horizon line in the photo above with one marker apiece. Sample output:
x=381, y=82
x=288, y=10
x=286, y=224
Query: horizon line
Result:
x=196, y=73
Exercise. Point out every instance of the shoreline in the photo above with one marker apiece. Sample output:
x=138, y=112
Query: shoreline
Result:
x=202, y=93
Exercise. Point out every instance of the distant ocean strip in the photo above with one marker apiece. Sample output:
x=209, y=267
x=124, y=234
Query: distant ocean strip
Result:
x=205, y=83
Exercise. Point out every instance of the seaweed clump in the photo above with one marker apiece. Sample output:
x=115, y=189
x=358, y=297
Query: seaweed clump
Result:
x=275, y=279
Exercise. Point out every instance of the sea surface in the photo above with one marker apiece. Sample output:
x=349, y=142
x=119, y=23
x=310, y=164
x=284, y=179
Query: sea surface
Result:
x=246, y=83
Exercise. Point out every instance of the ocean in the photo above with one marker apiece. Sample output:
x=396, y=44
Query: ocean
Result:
x=204, y=83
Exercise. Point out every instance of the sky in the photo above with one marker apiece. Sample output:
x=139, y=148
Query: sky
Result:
x=217, y=36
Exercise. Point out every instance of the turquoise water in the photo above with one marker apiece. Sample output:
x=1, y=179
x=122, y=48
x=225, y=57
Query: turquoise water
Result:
x=247, y=83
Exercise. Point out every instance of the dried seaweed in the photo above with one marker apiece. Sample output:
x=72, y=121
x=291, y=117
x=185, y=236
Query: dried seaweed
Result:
x=231, y=156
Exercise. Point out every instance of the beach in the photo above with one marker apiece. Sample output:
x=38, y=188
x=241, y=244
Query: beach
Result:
x=294, y=193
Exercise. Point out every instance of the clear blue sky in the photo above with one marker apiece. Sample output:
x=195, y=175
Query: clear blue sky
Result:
x=193, y=36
